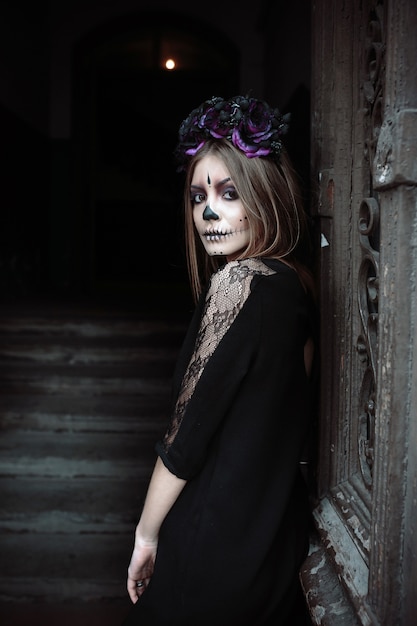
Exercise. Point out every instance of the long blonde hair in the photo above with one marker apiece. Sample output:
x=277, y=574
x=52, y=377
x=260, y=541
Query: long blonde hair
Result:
x=270, y=195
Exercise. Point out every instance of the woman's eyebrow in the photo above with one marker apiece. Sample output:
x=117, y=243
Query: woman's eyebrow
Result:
x=219, y=184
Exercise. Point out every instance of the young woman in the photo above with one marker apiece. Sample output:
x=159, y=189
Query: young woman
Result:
x=224, y=528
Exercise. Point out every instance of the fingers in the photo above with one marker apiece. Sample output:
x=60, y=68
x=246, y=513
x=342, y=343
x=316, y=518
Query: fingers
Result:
x=131, y=589
x=136, y=588
x=141, y=586
x=140, y=571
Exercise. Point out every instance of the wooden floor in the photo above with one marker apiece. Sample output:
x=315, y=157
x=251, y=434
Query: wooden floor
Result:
x=85, y=395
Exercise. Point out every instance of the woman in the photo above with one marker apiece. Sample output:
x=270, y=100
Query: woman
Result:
x=224, y=528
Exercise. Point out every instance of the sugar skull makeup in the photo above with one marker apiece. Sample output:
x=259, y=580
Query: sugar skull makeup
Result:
x=218, y=213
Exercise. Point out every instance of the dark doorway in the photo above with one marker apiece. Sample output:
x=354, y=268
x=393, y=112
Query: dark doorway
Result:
x=127, y=223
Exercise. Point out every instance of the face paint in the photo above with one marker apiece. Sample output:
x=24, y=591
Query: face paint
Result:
x=209, y=214
x=218, y=213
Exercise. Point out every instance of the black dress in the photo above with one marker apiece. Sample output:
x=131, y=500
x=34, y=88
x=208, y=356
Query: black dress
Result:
x=231, y=547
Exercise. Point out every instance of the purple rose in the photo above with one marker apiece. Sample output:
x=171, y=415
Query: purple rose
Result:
x=221, y=120
x=250, y=149
x=258, y=121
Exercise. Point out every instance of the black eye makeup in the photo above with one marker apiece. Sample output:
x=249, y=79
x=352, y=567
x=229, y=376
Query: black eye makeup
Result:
x=230, y=193
x=197, y=197
x=225, y=190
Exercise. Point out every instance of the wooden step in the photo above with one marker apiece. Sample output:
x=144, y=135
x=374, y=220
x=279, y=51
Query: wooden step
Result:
x=83, y=351
x=53, y=566
x=154, y=331
x=91, y=381
x=36, y=504
x=84, y=413
x=74, y=454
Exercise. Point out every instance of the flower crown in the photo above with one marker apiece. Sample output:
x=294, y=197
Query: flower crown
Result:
x=251, y=125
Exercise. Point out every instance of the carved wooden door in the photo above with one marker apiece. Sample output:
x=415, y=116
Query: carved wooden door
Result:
x=362, y=566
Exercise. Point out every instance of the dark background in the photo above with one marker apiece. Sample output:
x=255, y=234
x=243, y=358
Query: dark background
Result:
x=90, y=200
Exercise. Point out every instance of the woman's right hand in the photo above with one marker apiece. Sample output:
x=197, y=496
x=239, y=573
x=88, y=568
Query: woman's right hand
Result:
x=163, y=491
x=141, y=567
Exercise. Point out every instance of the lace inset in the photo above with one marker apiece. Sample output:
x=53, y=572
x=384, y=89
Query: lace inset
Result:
x=228, y=291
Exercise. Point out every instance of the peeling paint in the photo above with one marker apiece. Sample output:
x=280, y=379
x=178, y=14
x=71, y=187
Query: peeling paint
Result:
x=318, y=567
x=337, y=608
x=318, y=612
x=358, y=530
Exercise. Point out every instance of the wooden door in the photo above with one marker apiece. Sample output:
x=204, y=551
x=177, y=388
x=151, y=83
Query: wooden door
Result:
x=362, y=564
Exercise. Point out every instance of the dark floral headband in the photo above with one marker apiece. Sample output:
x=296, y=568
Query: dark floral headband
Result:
x=249, y=124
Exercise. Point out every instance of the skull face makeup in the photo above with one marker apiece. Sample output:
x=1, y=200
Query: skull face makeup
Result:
x=209, y=214
x=218, y=213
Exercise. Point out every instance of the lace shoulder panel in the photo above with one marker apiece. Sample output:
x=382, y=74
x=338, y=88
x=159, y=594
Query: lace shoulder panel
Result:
x=227, y=293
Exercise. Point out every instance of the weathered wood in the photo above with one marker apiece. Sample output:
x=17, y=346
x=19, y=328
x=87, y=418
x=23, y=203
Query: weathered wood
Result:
x=364, y=141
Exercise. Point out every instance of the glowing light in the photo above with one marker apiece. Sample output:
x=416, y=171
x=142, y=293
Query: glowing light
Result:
x=170, y=64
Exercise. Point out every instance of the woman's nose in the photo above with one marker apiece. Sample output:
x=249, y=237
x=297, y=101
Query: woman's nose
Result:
x=209, y=214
